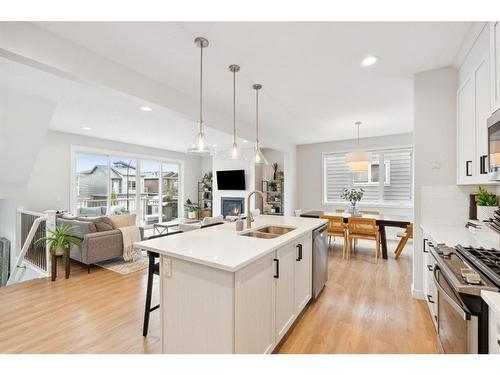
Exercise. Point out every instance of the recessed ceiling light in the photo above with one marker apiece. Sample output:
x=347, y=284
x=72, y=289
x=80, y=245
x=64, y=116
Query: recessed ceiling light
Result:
x=245, y=141
x=146, y=109
x=86, y=128
x=215, y=145
x=369, y=60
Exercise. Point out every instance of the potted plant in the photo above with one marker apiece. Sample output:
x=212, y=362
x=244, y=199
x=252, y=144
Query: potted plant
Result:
x=275, y=169
x=486, y=204
x=352, y=195
x=59, y=241
x=191, y=208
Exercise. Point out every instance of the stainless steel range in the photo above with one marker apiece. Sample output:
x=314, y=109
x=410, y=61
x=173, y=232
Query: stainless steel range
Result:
x=460, y=274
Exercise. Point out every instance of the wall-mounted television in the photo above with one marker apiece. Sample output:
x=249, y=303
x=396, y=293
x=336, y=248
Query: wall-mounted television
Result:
x=231, y=180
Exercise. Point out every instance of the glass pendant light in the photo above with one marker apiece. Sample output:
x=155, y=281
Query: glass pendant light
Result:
x=234, y=152
x=359, y=160
x=200, y=145
x=259, y=157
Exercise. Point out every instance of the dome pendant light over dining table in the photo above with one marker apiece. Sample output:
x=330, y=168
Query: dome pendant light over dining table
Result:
x=259, y=157
x=200, y=146
x=358, y=160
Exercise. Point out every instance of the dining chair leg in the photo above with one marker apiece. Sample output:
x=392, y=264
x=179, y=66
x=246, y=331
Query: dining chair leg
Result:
x=377, y=249
x=401, y=246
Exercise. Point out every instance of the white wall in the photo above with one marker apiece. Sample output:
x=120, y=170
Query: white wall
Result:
x=310, y=167
x=435, y=156
x=8, y=217
x=49, y=184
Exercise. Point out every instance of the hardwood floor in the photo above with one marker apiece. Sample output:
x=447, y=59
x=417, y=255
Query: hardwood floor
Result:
x=365, y=308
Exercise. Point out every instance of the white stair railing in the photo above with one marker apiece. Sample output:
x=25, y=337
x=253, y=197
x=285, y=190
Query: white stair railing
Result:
x=40, y=262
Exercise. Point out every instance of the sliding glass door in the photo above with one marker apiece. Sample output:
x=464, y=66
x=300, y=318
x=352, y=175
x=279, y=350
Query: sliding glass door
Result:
x=117, y=184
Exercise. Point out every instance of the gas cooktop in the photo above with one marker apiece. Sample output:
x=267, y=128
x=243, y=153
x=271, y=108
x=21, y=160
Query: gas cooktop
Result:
x=487, y=261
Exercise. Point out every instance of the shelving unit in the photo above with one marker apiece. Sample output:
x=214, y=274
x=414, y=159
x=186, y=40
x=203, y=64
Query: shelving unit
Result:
x=273, y=190
x=205, y=200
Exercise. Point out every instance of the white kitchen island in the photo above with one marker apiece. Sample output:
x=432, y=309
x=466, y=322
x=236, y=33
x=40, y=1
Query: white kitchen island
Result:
x=222, y=292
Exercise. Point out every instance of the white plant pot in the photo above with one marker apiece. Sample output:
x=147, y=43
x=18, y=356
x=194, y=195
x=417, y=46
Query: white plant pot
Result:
x=485, y=212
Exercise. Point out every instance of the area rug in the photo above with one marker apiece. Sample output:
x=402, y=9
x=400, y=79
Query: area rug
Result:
x=118, y=265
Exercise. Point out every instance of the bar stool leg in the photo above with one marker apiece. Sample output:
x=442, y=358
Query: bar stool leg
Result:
x=149, y=292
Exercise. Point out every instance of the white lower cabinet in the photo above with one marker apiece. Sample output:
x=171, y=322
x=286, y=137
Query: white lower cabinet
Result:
x=269, y=295
x=285, y=293
x=303, y=272
x=209, y=310
x=254, y=307
x=430, y=289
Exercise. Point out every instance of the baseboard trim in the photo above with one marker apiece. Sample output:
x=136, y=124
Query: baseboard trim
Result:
x=417, y=294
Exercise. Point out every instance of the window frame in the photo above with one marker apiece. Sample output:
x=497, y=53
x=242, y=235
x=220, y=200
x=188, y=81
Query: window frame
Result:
x=76, y=149
x=387, y=179
x=381, y=202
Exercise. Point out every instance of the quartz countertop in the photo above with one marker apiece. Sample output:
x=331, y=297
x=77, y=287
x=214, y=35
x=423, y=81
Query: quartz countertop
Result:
x=222, y=247
x=492, y=299
x=453, y=235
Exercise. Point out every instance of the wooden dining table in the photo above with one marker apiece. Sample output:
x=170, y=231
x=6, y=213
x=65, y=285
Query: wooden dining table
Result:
x=383, y=220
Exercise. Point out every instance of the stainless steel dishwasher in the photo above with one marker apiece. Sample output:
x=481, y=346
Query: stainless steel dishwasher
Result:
x=319, y=260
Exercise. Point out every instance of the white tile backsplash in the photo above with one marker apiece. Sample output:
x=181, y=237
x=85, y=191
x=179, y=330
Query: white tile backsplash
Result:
x=446, y=205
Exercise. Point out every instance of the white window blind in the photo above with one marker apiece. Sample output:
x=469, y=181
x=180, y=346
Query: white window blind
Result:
x=395, y=187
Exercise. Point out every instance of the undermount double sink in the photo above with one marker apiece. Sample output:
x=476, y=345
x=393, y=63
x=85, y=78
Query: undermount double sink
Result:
x=270, y=231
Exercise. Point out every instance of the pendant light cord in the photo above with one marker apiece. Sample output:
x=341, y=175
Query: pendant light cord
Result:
x=201, y=88
x=234, y=107
x=257, y=116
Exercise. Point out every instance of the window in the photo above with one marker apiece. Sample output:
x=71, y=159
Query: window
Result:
x=371, y=176
x=396, y=186
x=120, y=184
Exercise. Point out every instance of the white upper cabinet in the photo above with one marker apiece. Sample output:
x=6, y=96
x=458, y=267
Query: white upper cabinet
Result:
x=495, y=65
x=466, y=134
x=473, y=110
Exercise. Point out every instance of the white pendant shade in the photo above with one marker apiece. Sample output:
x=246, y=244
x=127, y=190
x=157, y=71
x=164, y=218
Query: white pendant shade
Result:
x=358, y=161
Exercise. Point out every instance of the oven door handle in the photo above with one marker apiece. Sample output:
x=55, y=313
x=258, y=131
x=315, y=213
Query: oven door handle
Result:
x=465, y=314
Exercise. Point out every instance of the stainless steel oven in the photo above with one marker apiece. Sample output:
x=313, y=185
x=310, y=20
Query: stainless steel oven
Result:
x=457, y=327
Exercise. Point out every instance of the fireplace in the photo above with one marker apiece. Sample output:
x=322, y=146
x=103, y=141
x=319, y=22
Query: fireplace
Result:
x=232, y=206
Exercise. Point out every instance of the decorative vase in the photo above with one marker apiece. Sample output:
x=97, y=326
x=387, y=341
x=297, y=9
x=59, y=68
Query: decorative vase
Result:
x=191, y=214
x=353, y=210
x=485, y=213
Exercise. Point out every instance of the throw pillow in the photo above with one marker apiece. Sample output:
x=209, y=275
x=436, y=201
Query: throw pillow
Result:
x=119, y=221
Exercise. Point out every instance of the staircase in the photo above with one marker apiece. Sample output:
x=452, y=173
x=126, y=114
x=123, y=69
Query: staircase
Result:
x=33, y=260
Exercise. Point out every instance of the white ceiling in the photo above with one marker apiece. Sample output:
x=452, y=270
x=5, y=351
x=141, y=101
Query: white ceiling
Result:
x=314, y=87
x=109, y=114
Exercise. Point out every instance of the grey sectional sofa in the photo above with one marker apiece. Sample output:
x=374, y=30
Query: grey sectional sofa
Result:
x=99, y=240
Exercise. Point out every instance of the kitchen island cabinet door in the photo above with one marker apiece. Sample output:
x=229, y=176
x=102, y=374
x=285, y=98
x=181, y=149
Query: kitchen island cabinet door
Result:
x=254, y=307
x=285, y=295
x=303, y=272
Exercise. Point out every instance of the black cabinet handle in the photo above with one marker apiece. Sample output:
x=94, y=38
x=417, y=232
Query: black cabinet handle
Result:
x=299, y=258
x=277, y=276
x=480, y=165
x=429, y=298
x=498, y=342
x=485, y=167
x=429, y=267
x=425, y=241
x=467, y=172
